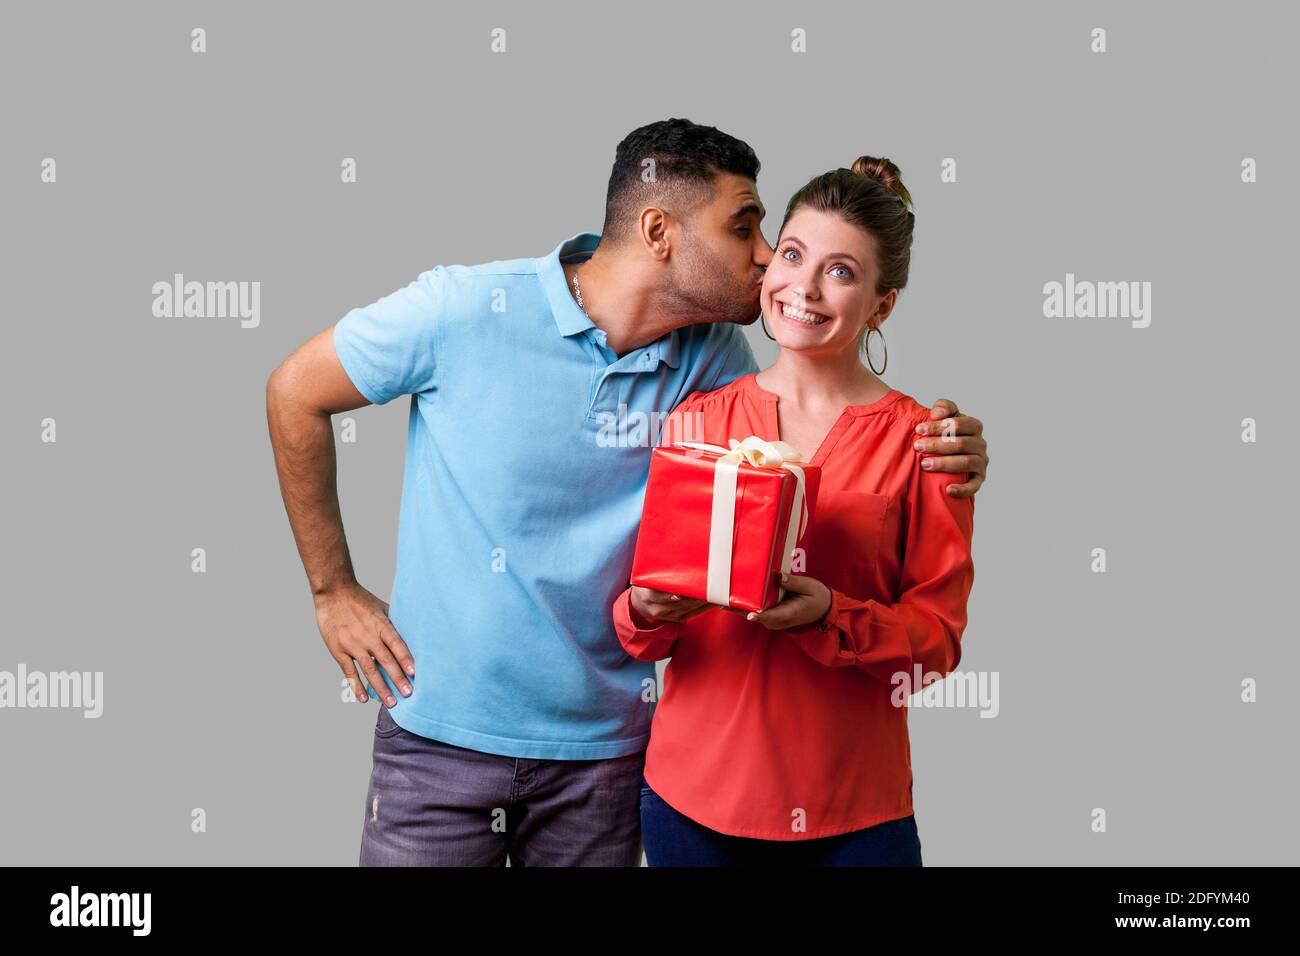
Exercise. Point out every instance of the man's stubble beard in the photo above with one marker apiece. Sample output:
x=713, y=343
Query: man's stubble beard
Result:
x=697, y=296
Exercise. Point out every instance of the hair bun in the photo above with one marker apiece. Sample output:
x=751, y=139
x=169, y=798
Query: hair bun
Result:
x=884, y=172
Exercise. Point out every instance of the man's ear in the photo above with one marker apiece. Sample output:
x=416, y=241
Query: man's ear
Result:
x=653, y=227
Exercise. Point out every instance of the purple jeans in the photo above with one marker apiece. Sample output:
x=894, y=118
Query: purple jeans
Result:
x=431, y=803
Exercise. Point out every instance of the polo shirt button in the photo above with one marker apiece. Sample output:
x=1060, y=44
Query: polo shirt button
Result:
x=826, y=626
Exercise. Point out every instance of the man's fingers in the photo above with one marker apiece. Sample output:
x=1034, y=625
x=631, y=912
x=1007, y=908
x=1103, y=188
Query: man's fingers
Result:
x=397, y=647
x=384, y=658
x=965, y=445
x=967, y=488
x=349, y=667
x=951, y=426
x=952, y=463
x=371, y=670
x=944, y=408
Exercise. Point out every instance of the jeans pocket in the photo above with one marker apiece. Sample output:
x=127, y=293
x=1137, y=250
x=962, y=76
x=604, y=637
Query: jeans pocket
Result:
x=385, y=726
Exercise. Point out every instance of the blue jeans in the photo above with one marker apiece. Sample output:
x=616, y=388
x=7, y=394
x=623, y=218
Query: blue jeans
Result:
x=673, y=839
x=431, y=803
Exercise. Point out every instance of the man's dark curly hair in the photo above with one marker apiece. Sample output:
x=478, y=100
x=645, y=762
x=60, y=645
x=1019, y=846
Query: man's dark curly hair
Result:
x=671, y=164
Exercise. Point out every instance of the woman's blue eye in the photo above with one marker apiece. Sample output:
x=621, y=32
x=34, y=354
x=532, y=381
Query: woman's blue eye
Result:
x=789, y=252
x=845, y=269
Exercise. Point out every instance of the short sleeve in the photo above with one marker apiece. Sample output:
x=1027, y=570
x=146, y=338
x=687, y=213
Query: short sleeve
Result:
x=389, y=348
x=728, y=356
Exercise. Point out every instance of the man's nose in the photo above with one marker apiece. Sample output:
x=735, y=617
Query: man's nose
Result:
x=762, y=253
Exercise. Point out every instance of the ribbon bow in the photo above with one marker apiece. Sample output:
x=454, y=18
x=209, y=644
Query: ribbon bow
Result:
x=754, y=451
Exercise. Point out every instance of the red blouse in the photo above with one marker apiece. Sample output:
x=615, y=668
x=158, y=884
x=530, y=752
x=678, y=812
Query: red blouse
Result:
x=797, y=734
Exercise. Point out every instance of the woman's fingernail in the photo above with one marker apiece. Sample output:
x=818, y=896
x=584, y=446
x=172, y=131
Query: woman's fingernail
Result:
x=750, y=616
x=919, y=445
x=927, y=462
x=406, y=689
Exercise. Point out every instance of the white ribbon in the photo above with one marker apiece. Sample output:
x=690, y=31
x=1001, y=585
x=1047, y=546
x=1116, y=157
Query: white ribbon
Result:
x=761, y=454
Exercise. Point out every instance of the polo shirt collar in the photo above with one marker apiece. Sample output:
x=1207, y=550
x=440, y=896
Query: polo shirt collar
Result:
x=569, y=319
x=668, y=349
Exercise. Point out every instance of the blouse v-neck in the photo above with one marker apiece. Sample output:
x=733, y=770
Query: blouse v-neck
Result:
x=833, y=435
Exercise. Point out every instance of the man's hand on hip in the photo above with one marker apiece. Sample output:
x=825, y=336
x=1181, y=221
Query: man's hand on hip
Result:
x=356, y=629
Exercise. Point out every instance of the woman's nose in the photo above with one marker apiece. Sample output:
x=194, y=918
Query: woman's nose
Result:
x=809, y=286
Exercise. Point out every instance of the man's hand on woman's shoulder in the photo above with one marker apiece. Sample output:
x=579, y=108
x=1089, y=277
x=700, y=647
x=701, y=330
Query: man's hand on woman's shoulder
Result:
x=956, y=443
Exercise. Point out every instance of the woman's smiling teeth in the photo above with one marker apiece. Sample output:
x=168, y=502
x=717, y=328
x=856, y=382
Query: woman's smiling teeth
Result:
x=801, y=316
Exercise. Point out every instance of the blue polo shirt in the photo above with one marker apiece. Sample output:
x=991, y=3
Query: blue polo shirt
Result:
x=528, y=447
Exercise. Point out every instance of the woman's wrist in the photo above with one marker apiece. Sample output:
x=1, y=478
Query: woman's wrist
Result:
x=822, y=623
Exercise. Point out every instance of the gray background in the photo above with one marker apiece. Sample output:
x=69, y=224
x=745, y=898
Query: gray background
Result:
x=1118, y=690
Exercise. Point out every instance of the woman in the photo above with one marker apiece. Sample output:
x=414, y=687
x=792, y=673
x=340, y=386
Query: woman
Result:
x=781, y=737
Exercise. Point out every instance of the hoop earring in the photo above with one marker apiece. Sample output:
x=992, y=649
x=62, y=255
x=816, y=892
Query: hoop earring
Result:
x=866, y=351
x=762, y=319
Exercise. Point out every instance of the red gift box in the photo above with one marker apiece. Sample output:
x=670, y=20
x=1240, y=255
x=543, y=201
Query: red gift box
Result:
x=721, y=525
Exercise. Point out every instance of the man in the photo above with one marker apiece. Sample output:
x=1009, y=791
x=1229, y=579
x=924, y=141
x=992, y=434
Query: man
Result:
x=524, y=732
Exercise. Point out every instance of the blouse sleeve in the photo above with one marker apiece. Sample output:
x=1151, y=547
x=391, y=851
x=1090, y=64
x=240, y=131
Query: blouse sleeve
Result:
x=643, y=643
x=924, y=625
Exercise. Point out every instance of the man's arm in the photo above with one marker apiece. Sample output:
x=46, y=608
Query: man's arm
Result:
x=301, y=395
